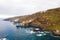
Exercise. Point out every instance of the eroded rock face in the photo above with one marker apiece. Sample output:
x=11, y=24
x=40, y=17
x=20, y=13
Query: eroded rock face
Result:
x=49, y=20
x=56, y=33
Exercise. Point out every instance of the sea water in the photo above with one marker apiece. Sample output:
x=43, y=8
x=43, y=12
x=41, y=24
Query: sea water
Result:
x=8, y=31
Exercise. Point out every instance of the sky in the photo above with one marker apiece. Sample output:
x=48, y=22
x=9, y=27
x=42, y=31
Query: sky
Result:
x=11, y=8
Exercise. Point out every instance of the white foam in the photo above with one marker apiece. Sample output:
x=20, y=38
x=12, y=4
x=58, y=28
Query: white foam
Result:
x=31, y=32
x=36, y=28
x=39, y=35
x=3, y=39
x=41, y=32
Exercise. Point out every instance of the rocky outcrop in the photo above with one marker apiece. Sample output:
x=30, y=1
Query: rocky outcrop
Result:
x=49, y=19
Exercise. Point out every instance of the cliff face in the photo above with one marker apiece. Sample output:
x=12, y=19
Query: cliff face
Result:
x=49, y=20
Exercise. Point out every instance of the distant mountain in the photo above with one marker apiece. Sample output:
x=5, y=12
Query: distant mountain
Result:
x=49, y=19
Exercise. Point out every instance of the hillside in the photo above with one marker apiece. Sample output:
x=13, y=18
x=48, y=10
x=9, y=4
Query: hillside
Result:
x=49, y=19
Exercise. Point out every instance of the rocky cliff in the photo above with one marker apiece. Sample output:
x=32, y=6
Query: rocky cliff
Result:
x=49, y=19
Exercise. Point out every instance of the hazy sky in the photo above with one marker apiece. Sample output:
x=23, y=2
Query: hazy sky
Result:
x=9, y=8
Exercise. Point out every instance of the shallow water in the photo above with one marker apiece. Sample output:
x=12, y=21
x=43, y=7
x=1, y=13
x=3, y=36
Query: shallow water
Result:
x=8, y=31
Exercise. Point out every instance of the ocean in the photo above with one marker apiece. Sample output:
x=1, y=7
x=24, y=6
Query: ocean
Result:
x=8, y=31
